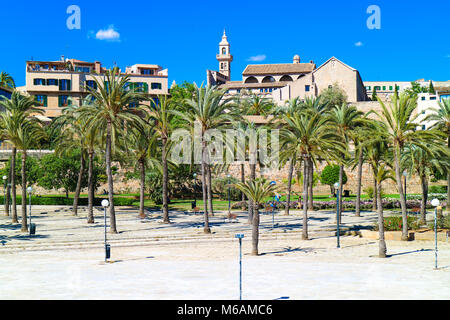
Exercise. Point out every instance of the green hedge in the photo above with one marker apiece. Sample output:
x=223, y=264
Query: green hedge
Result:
x=62, y=201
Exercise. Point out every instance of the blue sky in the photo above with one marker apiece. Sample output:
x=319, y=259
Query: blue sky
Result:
x=183, y=36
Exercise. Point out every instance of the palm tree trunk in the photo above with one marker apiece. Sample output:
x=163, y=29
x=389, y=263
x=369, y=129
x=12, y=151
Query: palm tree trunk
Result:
x=8, y=192
x=250, y=201
x=78, y=188
x=310, y=185
x=341, y=179
x=142, y=188
x=255, y=230
x=243, y=181
x=448, y=180
x=209, y=189
x=13, y=186
x=305, y=197
x=382, y=243
x=359, y=183
x=112, y=213
x=289, y=187
x=24, y=193
x=375, y=194
x=398, y=176
x=206, y=228
x=165, y=182
x=90, y=216
x=423, y=205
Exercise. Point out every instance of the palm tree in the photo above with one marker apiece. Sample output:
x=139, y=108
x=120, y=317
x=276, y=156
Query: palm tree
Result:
x=7, y=80
x=209, y=110
x=163, y=117
x=17, y=108
x=143, y=149
x=422, y=162
x=72, y=136
x=382, y=174
x=257, y=190
x=257, y=105
x=441, y=117
x=28, y=136
x=311, y=136
x=346, y=119
x=399, y=128
x=107, y=114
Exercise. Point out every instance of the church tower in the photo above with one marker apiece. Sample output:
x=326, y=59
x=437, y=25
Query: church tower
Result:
x=224, y=57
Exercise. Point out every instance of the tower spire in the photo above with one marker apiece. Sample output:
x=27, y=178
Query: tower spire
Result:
x=224, y=57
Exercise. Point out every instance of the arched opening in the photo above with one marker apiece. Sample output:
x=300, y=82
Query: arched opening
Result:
x=268, y=79
x=286, y=78
x=300, y=76
x=251, y=80
x=224, y=50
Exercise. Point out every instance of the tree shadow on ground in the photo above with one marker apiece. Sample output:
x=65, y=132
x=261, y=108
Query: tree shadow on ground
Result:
x=22, y=237
x=289, y=250
x=408, y=252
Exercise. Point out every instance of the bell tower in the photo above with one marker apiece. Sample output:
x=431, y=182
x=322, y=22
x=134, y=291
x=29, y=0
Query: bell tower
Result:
x=224, y=57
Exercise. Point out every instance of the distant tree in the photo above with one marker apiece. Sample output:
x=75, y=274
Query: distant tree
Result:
x=6, y=80
x=431, y=88
x=396, y=91
x=374, y=94
x=415, y=89
x=333, y=96
x=330, y=175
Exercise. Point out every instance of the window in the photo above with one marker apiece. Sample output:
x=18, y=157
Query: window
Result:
x=432, y=98
x=52, y=82
x=238, y=90
x=391, y=88
x=369, y=88
x=377, y=88
x=140, y=86
x=156, y=85
x=91, y=84
x=423, y=98
x=424, y=127
x=64, y=101
x=132, y=105
x=224, y=51
x=307, y=88
x=42, y=100
x=384, y=88
x=39, y=82
x=83, y=69
x=65, y=85
x=147, y=71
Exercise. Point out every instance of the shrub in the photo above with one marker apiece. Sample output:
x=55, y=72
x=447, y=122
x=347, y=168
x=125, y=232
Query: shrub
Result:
x=395, y=223
x=220, y=188
x=438, y=189
x=330, y=175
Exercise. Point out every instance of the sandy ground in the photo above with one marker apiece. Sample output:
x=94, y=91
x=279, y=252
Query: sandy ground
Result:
x=205, y=269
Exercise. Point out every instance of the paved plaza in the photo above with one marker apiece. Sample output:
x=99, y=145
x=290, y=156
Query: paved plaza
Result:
x=152, y=260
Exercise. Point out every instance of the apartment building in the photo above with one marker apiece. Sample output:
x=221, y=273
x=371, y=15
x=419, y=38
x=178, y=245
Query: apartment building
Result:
x=58, y=84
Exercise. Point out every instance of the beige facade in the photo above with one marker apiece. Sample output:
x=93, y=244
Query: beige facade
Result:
x=284, y=81
x=58, y=84
x=332, y=73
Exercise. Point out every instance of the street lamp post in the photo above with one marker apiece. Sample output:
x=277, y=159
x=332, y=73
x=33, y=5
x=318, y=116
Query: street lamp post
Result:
x=105, y=204
x=273, y=183
x=195, y=191
x=229, y=199
x=4, y=191
x=9, y=197
x=435, y=203
x=32, y=226
x=338, y=209
x=240, y=236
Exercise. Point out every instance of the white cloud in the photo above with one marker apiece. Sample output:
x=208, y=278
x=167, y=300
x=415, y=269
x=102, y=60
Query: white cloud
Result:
x=359, y=44
x=258, y=58
x=109, y=34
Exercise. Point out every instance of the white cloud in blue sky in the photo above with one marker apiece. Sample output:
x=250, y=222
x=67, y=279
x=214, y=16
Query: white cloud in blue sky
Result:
x=109, y=34
x=359, y=44
x=257, y=58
